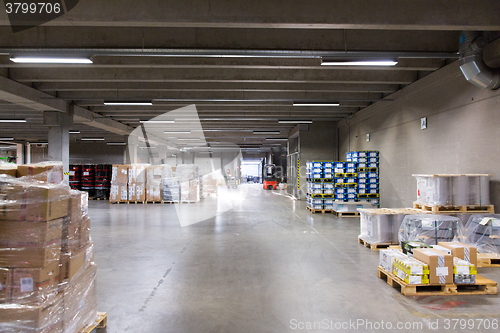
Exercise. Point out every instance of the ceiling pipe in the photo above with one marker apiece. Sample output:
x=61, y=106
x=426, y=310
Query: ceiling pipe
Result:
x=475, y=70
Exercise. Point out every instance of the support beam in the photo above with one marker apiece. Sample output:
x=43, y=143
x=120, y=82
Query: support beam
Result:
x=20, y=94
x=211, y=75
x=313, y=14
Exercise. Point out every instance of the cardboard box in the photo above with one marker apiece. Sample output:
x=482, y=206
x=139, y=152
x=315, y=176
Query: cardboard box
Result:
x=118, y=193
x=462, y=251
x=80, y=300
x=119, y=174
x=47, y=172
x=84, y=239
x=137, y=173
x=131, y=192
x=44, y=318
x=442, y=249
x=8, y=169
x=27, y=202
x=440, y=265
x=153, y=192
x=194, y=193
x=140, y=192
x=30, y=244
x=35, y=285
x=387, y=256
x=78, y=204
x=74, y=264
x=70, y=242
x=5, y=285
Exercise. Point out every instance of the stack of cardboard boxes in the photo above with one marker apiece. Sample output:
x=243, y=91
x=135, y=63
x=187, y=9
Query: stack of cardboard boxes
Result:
x=47, y=276
x=137, y=182
x=190, y=182
x=119, y=180
x=155, y=175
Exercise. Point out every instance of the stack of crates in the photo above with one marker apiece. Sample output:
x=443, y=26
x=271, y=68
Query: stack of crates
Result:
x=320, y=186
x=368, y=177
x=345, y=181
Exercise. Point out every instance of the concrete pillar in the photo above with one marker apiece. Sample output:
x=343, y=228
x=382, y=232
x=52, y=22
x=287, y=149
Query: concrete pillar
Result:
x=27, y=155
x=59, y=125
x=162, y=154
x=132, y=147
x=20, y=153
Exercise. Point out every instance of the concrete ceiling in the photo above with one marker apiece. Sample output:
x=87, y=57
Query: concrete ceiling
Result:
x=242, y=64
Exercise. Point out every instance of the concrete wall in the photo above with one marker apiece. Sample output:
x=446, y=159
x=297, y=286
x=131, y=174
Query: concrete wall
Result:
x=462, y=134
x=95, y=153
x=319, y=142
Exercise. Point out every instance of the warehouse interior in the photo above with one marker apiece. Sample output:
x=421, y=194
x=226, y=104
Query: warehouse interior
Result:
x=233, y=86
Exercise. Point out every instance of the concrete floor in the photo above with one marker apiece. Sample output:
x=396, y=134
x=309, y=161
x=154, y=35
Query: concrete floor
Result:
x=262, y=264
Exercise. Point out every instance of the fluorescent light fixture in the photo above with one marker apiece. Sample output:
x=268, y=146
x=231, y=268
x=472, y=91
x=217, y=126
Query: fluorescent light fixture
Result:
x=40, y=143
x=177, y=132
x=188, y=139
x=291, y=121
x=128, y=103
x=74, y=132
x=43, y=60
x=360, y=63
x=116, y=143
x=276, y=139
x=267, y=132
x=8, y=147
x=92, y=139
x=316, y=104
x=6, y=139
x=196, y=144
x=157, y=121
x=148, y=147
x=12, y=120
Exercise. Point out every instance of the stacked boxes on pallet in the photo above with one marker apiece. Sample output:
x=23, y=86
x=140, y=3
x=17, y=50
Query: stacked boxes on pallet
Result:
x=368, y=179
x=119, y=180
x=188, y=175
x=47, y=275
x=137, y=182
x=320, y=186
x=155, y=174
x=75, y=176
x=345, y=181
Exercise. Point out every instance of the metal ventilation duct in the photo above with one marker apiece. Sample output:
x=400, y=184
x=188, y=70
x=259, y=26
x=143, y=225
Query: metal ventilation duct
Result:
x=472, y=64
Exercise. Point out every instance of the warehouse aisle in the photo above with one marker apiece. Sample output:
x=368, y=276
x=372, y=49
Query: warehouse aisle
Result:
x=265, y=265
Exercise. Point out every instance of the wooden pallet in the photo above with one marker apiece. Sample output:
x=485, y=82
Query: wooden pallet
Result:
x=373, y=246
x=347, y=214
x=189, y=202
x=488, y=260
x=100, y=322
x=486, y=209
x=483, y=286
x=322, y=211
x=119, y=202
x=415, y=289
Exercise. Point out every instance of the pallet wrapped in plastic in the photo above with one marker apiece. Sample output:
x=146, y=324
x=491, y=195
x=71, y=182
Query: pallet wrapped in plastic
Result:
x=187, y=172
x=379, y=226
x=430, y=229
x=483, y=232
x=44, y=241
x=51, y=172
x=155, y=173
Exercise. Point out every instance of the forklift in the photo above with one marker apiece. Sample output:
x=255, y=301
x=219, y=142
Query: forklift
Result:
x=270, y=182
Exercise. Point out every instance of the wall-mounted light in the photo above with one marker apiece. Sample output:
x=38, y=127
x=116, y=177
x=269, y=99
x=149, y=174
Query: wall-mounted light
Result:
x=359, y=63
x=157, y=121
x=128, y=103
x=92, y=139
x=116, y=143
x=6, y=139
x=266, y=132
x=316, y=104
x=291, y=121
x=74, y=132
x=12, y=120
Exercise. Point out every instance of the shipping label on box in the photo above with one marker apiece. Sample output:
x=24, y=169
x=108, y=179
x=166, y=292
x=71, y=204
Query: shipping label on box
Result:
x=35, y=285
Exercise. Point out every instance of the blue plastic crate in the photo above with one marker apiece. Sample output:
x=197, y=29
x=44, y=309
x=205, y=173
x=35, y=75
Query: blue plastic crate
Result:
x=339, y=170
x=350, y=170
x=372, y=160
x=362, y=175
x=339, y=165
x=328, y=170
x=372, y=153
x=368, y=186
x=327, y=186
x=372, y=175
x=328, y=165
x=317, y=164
x=317, y=186
x=328, y=191
x=350, y=180
x=368, y=165
x=328, y=201
x=348, y=165
x=350, y=190
x=317, y=170
x=368, y=190
x=340, y=196
x=328, y=175
x=341, y=190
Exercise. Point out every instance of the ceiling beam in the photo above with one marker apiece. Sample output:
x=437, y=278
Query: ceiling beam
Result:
x=20, y=94
x=329, y=14
x=220, y=86
x=210, y=75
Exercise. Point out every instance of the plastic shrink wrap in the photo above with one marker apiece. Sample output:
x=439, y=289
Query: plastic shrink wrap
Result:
x=430, y=229
x=483, y=232
x=47, y=273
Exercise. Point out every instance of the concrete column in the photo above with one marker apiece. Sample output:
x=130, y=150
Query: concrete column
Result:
x=132, y=148
x=162, y=154
x=59, y=125
x=27, y=155
x=20, y=154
